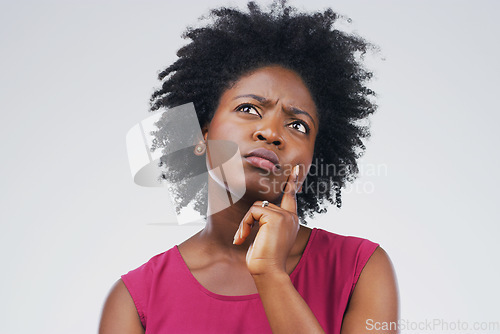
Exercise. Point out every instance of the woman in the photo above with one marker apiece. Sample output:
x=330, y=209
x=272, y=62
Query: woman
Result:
x=288, y=90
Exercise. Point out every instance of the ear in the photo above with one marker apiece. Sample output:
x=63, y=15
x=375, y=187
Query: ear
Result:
x=204, y=131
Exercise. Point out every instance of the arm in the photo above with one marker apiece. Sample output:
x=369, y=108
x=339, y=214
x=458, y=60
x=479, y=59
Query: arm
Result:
x=373, y=307
x=119, y=315
x=285, y=309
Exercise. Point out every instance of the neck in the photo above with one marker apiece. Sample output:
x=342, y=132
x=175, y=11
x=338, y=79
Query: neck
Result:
x=225, y=218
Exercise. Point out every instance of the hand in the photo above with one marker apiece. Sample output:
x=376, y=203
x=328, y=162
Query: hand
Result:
x=278, y=228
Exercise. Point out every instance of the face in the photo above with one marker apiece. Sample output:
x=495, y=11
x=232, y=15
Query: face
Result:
x=272, y=118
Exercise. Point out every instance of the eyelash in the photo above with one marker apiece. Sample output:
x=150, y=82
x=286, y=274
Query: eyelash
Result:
x=240, y=109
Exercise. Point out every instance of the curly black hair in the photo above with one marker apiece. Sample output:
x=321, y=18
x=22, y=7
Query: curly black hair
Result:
x=329, y=61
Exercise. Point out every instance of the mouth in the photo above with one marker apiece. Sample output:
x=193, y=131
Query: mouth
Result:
x=264, y=159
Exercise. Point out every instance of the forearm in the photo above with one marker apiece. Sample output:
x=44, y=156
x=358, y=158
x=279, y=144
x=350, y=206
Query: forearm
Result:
x=285, y=309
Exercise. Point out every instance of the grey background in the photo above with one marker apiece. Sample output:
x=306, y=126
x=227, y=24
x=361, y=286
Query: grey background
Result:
x=76, y=76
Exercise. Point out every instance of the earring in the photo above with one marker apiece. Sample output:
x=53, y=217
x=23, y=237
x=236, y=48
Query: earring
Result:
x=200, y=148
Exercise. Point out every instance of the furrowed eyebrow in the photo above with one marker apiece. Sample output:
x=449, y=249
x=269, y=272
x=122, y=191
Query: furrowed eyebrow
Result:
x=253, y=96
x=263, y=100
x=298, y=111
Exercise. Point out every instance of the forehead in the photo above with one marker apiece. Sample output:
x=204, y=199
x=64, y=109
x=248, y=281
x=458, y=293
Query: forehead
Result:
x=276, y=84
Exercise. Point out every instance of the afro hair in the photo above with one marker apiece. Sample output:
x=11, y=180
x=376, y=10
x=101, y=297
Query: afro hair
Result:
x=236, y=42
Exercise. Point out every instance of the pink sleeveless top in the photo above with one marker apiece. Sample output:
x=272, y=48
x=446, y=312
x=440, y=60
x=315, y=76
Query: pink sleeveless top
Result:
x=169, y=299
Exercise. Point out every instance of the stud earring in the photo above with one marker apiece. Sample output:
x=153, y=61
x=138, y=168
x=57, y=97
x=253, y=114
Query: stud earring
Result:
x=200, y=148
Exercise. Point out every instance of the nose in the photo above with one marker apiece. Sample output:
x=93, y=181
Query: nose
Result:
x=270, y=132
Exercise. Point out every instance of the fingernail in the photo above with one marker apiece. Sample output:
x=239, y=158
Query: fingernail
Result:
x=234, y=240
x=296, y=171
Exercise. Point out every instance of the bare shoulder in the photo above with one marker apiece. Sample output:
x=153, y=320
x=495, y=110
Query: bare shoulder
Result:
x=378, y=270
x=374, y=302
x=119, y=314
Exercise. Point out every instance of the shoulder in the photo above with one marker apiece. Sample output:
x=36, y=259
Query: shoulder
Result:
x=119, y=314
x=378, y=274
x=140, y=280
x=125, y=307
x=337, y=257
x=366, y=260
x=142, y=274
x=375, y=297
x=340, y=241
x=350, y=252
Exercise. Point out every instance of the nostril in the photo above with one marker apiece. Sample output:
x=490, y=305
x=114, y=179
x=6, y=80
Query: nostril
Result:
x=275, y=142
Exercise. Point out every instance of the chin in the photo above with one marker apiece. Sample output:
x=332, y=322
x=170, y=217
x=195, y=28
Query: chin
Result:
x=265, y=189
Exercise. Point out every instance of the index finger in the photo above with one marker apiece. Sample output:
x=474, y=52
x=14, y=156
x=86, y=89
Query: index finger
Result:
x=288, y=201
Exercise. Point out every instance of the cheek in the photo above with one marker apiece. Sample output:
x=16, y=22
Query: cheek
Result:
x=306, y=163
x=232, y=133
x=224, y=128
x=304, y=170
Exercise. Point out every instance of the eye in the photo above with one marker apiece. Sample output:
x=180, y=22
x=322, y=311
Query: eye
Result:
x=300, y=126
x=249, y=109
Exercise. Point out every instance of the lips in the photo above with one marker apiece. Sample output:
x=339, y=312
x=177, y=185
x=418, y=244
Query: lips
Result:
x=263, y=158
